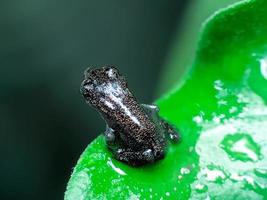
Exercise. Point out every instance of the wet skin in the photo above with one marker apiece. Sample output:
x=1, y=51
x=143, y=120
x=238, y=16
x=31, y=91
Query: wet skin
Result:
x=134, y=133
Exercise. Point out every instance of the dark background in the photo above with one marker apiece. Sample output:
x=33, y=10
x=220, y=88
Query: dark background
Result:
x=44, y=48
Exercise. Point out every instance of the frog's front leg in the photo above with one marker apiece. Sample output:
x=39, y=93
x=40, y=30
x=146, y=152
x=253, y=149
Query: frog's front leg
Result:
x=153, y=112
x=134, y=158
x=110, y=136
x=127, y=155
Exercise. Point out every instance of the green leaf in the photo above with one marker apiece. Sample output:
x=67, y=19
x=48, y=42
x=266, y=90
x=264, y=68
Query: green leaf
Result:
x=220, y=110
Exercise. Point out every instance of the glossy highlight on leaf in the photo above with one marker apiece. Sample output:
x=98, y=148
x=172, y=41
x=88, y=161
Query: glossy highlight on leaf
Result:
x=220, y=109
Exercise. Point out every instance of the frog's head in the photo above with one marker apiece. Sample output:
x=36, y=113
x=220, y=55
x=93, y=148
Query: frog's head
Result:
x=101, y=75
x=102, y=86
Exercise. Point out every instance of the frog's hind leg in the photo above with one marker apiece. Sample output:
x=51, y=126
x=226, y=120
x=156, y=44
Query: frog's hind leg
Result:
x=134, y=158
x=128, y=155
x=174, y=136
x=150, y=109
x=153, y=112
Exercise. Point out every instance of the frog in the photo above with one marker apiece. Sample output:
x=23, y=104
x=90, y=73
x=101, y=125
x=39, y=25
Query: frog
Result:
x=135, y=133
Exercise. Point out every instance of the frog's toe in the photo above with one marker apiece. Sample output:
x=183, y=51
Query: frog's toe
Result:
x=159, y=154
x=148, y=155
x=174, y=137
x=134, y=158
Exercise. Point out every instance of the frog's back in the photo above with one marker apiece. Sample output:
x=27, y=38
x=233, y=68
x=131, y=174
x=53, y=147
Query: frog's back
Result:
x=106, y=90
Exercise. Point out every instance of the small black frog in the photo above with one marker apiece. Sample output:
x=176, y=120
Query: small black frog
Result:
x=135, y=133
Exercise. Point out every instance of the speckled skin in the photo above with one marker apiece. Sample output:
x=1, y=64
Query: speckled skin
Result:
x=134, y=133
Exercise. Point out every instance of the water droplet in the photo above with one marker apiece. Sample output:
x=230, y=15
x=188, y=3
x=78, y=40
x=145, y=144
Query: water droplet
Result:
x=241, y=147
x=208, y=198
x=236, y=177
x=216, y=120
x=167, y=194
x=244, y=178
x=263, y=67
x=222, y=102
x=198, y=119
x=184, y=170
x=218, y=85
x=200, y=188
x=221, y=91
x=261, y=172
x=116, y=169
x=214, y=175
x=233, y=109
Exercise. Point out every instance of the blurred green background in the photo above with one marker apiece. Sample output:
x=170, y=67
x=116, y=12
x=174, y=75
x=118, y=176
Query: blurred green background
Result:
x=46, y=45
